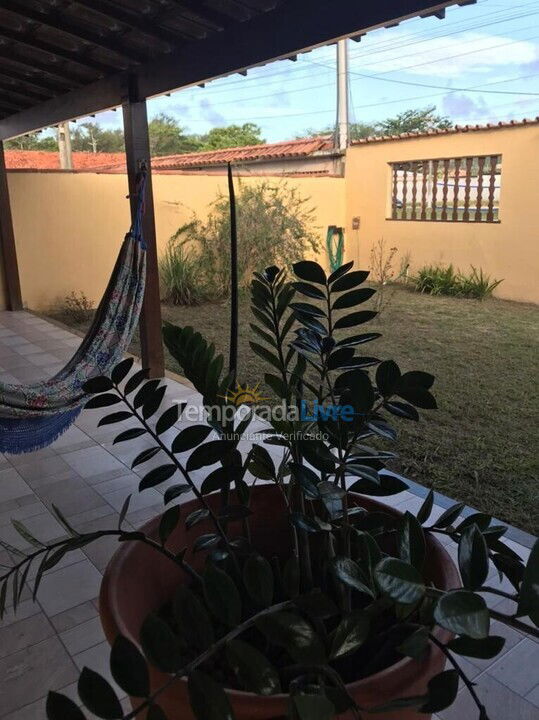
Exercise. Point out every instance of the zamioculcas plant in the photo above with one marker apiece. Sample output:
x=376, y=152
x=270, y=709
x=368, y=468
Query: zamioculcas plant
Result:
x=282, y=575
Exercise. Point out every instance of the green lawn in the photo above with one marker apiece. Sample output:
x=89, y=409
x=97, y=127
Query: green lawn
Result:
x=481, y=445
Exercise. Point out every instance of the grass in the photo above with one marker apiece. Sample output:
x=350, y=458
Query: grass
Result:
x=480, y=446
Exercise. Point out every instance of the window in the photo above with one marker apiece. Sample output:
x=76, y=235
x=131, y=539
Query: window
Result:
x=465, y=189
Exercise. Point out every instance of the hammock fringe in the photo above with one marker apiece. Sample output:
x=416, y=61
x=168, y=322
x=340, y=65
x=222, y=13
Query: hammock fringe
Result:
x=19, y=436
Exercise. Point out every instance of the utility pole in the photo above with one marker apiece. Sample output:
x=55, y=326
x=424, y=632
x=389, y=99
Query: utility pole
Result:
x=343, y=118
x=64, y=146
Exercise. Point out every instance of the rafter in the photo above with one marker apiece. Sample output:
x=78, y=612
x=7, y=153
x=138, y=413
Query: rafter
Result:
x=59, y=20
x=46, y=87
x=55, y=69
x=80, y=58
x=136, y=22
x=215, y=17
x=14, y=89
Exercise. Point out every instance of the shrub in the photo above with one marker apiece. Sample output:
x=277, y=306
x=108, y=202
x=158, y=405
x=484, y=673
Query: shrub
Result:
x=274, y=224
x=179, y=272
x=439, y=280
x=76, y=307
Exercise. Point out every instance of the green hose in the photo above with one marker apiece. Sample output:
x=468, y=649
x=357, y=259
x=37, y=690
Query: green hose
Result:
x=335, y=247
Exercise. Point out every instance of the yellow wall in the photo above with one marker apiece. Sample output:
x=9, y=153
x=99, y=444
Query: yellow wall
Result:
x=68, y=227
x=508, y=250
x=2, y=286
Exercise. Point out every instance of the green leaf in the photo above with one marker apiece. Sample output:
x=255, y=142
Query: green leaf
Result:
x=418, y=378
x=449, y=516
x=358, y=339
x=529, y=591
x=261, y=464
x=196, y=516
x=355, y=387
x=207, y=698
x=128, y=668
x=157, y=476
x=464, y=613
x=399, y=580
x=145, y=455
x=130, y=434
x=307, y=478
x=295, y=635
x=155, y=713
x=317, y=454
x=307, y=309
x=265, y=354
x=388, y=485
x=167, y=419
x=100, y=401
x=168, y=523
x=98, y=696
x=175, y=491
x=484, y=649
x=310, y=271
x=60, y=707
x=115, y=418
x=208, y=454
x=340, y=271
x=26, y=534
x=220, y=478
x=441, y=692
x=353, y=298
x=254, y=672
x=425, y=510
x=308, y=290
x=206, y=541
x=222, y=596
x=473, y=558
x=309, y=524
x=419, y=397
x=291, y=577
x=258, y=580
x=388, y=375
x=349, y=573
x=357, y=318
x=190, y=437
x=135, y=380
x=415, y=645
x=98, y=384
x=316, y=605
x=312, y=707
x=350, y=634
x=403, y=410
x=160, y=644
x=153, y=403
x=350, y=280
x=192, y=619
x=146, y=392
x=411, y=541
x=121, y=371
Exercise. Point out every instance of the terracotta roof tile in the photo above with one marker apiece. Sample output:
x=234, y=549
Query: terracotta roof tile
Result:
x=450, y=131
x=50, y=160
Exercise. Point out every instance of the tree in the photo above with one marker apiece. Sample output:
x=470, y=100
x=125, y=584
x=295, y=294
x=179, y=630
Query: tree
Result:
x=168, y=137
x=358, y=130
x=420, y=120
x=32, y=141
x=91, y=137
x=232, y=136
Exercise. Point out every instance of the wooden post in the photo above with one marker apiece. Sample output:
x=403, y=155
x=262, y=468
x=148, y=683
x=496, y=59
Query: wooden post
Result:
x=8, y=251
x=137, y=150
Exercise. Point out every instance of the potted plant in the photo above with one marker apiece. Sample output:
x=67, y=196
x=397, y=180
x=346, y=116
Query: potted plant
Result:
x=280, y=585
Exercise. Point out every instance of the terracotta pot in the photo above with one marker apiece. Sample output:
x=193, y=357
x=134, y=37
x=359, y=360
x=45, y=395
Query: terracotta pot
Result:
x=138, y=581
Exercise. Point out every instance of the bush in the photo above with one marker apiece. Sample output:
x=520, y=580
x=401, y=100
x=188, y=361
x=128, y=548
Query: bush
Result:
x=274, y=227
x=439, y=280
x=179, y=272
x=76, y=307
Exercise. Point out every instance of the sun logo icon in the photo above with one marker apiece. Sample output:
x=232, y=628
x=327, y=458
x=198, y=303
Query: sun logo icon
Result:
x=245, y=395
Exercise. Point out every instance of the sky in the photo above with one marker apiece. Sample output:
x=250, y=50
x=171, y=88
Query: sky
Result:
x=480, y=64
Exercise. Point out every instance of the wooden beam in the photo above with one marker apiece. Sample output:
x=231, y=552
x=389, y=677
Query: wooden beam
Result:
x=8, y=251
x=289, y=28
x=56, y=69
x=137, y=150
x=61, y=21
x=34, y=80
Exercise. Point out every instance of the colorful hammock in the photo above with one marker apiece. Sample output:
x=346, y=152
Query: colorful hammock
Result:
x=34, y=416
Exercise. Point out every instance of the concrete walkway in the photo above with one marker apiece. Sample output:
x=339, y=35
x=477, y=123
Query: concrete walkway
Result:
x=46, y=643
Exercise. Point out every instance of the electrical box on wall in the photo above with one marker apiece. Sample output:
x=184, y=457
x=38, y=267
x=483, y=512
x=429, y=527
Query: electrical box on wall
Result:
x=356, y=222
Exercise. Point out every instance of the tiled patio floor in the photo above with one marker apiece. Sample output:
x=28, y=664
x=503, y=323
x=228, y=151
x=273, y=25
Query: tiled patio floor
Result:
x=45, y=643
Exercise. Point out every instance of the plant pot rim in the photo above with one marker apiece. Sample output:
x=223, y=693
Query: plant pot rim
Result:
x=113, y=625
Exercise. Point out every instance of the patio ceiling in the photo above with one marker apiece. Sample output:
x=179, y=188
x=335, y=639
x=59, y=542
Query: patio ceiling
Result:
x=62, y=59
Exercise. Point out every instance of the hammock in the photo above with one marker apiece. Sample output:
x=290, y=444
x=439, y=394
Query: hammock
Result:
x=33, y=416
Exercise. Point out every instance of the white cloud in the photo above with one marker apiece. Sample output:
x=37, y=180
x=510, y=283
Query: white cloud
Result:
x=465, y=54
